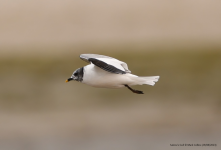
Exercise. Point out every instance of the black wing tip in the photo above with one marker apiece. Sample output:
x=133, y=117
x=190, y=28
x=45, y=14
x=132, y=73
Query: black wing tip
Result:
x=105, y=66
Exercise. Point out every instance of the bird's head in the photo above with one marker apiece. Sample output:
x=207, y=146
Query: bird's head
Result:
x=77, y=75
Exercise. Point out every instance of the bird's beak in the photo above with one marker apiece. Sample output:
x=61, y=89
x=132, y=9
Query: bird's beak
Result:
x=69, y=79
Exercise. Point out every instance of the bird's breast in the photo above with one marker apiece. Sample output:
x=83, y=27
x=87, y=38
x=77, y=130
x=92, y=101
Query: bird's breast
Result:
x=97, y=77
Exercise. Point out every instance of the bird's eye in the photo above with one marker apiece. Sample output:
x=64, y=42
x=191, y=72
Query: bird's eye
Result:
x=76, y=74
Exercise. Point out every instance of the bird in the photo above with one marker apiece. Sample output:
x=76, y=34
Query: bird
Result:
x=107, y=72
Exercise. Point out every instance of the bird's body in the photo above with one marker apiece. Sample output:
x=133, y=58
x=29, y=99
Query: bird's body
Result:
x=108, y=72
x=96, y=77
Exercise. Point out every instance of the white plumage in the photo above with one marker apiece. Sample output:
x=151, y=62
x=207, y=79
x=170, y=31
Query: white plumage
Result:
x=108, y=72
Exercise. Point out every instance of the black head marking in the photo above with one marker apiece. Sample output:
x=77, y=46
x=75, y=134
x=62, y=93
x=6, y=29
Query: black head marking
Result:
x=78, y=74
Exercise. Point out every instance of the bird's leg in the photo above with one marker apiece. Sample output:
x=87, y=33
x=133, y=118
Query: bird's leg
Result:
x=134, y=91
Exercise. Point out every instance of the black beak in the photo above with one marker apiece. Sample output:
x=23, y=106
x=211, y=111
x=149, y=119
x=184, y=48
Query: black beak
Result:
x=69, y=79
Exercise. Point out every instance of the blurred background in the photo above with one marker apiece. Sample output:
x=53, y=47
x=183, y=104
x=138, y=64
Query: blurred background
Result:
x=40, y=44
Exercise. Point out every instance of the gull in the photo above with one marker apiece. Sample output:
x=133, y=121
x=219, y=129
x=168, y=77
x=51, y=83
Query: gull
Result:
x=107, y=72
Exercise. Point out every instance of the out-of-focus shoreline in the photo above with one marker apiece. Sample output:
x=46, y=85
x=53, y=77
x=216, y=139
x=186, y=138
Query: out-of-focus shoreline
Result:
x=50, y=51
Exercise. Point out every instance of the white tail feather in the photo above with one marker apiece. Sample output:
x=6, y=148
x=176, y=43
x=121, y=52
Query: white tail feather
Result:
x=148, y=80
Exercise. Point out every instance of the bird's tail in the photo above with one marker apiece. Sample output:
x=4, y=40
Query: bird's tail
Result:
x=147, y=80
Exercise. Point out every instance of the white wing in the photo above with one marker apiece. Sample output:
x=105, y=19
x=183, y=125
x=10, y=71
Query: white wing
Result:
x=106, y=63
